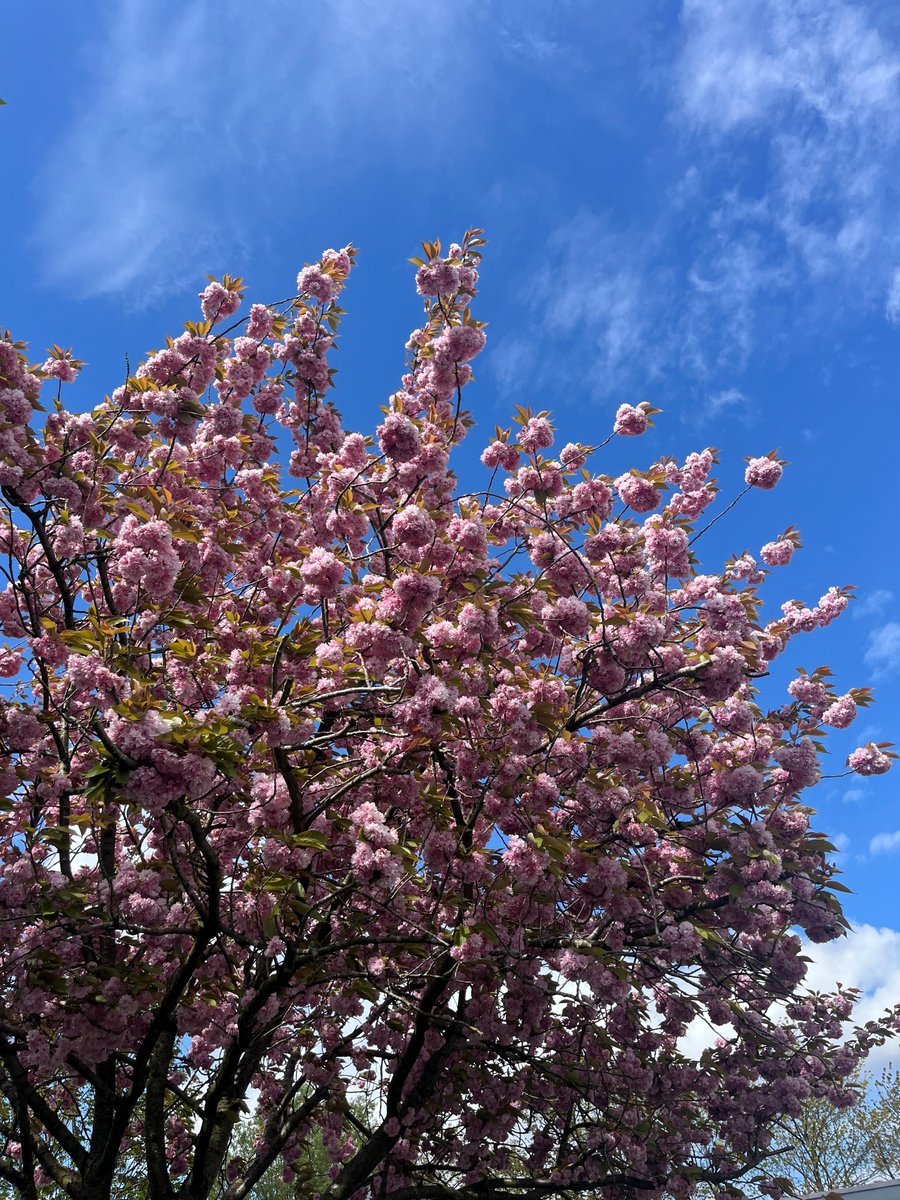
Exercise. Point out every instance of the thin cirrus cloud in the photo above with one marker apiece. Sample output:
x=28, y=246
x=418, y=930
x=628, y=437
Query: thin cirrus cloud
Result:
x=883, y=648
x=818, y=84
x=197, y=120
x=780, y=215
x=873, y=604
x=727, y=403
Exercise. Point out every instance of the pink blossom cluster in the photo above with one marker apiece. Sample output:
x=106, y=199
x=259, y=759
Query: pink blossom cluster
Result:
x=869, y=760
x=631, y=420
x=144, y=554
x=218, y=302
x=763, y=472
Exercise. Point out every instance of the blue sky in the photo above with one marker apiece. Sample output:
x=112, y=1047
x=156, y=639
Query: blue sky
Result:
x=693, y=203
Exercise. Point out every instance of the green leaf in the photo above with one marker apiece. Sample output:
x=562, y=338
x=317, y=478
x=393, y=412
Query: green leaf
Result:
x=310, y=837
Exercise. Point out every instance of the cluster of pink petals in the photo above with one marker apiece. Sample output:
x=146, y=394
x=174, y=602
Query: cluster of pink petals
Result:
x=777, y=554
x=631, y=421
x=869, y=760
x=763, y=473
x=638, y=493
x=218, y=303
x=144, y=554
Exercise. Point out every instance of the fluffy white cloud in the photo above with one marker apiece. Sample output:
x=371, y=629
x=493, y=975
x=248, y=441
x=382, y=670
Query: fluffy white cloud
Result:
x=868, y=959
x=872, y=604
x=885, y=843
x=745, y=63
x=883, y=648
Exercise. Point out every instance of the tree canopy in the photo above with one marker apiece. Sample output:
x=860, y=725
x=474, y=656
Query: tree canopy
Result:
x=422, y=822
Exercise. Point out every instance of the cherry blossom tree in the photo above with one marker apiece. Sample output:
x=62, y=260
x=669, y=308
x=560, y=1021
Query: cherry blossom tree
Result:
x=419, y=823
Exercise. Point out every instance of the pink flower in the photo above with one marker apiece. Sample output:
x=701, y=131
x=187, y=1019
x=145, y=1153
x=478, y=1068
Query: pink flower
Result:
x=638, y=493
x=537, y=434
x=869, y=760
x=61, y=369
x=524, y=865
x=724, y=674
x=741, y=783
x=461, y=342
x=682, y=941
x=339, y=261
x=501, y=454
x=217, y=303
x=469, y=534
x=370, y=822
x=15, y=406
x=830, y=606
x=631, y=421
x=567, y=615
x=471, y=949
x=145, y=555
x=260, y=323
x=413, y=526
x=777, y=554
x=398, y=437
x=801, y=763
x=10, y=662
x=840, y=714
x=322, y=571
x=763, y=472
x=267, y=399
x=438, y=278
x=572, y=456
x=69, y=538
x=313, y=282
x=666, y=548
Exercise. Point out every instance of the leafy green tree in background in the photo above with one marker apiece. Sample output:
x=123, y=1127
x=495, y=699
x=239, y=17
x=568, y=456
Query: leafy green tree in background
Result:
x=832, y=1149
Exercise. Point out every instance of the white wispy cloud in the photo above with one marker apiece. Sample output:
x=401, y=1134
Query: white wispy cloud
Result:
x=883, y=648
x=722, y=401
x=892, y=303
x=782, y=215
x=198, y=122
x=885, y=843
x=729, y=403
x=873, y=603
x=606, y=301
x=611, y=307
x=817, y=84
x=591, y=302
